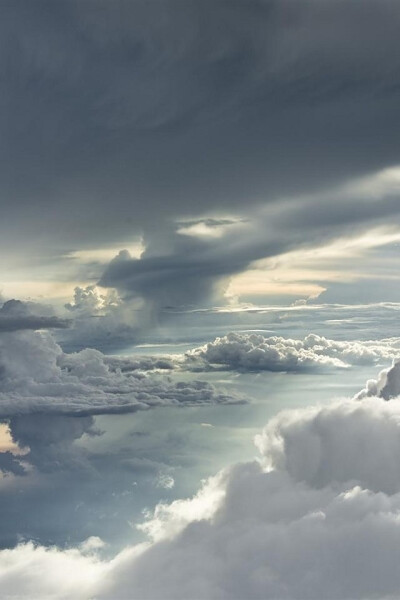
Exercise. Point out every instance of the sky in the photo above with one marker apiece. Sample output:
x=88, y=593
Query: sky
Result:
x=199, y=299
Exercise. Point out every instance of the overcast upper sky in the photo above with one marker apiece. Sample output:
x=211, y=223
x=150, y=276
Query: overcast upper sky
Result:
x=212, y=134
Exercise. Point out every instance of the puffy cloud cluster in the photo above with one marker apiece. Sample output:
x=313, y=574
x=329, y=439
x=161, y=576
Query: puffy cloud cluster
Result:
x=254, y=352
x=315, y=517
x=90, y=301
x=102, y=320
x=49, y=397
x=36, y=376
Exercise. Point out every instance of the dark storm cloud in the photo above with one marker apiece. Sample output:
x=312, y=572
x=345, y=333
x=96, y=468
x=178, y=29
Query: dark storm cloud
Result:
x=10, y=464
x=118, y=116
x=182, y=270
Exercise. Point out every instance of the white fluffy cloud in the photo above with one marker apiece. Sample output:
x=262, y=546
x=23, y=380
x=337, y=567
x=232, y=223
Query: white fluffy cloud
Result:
x=254, y=352
x=47, y=573
x=316, y=517
x=386, y=386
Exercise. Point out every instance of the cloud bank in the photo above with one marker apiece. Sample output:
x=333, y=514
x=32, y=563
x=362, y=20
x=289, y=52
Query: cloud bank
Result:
x=49, y=397
x=316, y=516
x=36, y=376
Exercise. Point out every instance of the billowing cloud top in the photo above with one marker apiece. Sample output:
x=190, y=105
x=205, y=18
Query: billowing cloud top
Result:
x=255, y=352
x=37, y=377
x=315, y=517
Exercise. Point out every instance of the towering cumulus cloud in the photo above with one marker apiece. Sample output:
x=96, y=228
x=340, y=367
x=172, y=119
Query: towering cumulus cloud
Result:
x=315, y=516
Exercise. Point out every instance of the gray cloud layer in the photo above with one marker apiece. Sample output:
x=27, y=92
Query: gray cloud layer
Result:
x=120, y=118
x=16, y=316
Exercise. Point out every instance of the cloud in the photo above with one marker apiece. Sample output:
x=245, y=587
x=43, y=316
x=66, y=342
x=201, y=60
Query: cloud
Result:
x=16, y=315
x=37, y=572
x=184, y=278
x=265, y=79
x=49, y=397
x=178, y=271
x=9, y=463
x=386, y=386
x=316, y=516
x=102, y=319
x=37, y=377
x=136, y=120
x=255, y=352
x=49, y=440
x=165, y=481
x=207, y=227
